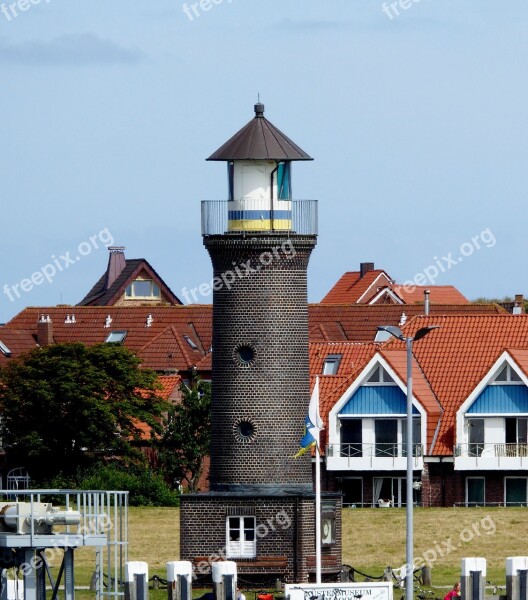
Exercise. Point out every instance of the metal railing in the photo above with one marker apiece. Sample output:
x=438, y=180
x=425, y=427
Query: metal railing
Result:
x=372, y=450
x=303, y=219
x=103, y=524
x=481, y=450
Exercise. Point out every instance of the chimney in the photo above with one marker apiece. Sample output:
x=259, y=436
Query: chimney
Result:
x=116, y=264
x=518, y=306
x=364, y=268
x=426, y=302
x=45, y=331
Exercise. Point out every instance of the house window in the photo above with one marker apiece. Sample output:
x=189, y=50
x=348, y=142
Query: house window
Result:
x=352, y=489
x=380, y=377
x=476, y=437
x=351, y=432
x=416, y=437
x=386, y=432
x=507, y=376
x=517, y=430
x=475, y=491
x=241, y=537
x=116, y=337
x=392, y=491
x=4, y=349
x=515, y=491
x=331, y=364
x=143, y=288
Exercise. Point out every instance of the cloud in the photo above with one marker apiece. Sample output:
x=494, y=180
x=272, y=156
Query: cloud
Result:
x=68, y=50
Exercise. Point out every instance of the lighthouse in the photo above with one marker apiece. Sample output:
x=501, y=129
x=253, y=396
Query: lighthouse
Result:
x=259, y=511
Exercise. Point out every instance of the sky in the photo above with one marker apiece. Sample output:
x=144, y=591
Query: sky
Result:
x=415, y=111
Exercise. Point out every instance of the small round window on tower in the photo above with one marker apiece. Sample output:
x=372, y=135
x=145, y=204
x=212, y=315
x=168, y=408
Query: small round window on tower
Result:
x=244, y=430
x=244, y=355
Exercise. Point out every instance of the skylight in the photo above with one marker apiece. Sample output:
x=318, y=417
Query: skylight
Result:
x=190, y=342
x=331, y=364
x=4, y=349
x=382, y=336
x=116, y=337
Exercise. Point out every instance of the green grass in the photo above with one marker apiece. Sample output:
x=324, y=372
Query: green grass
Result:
x=372, y=540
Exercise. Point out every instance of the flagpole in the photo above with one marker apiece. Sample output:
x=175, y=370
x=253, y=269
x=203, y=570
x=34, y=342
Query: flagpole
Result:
x=317, y=512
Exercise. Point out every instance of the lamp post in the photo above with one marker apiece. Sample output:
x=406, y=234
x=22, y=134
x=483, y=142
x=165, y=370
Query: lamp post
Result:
x=409, y=544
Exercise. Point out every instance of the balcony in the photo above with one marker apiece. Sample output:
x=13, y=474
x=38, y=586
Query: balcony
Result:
x=371, y=457
x=223, y=217
x=490, y=456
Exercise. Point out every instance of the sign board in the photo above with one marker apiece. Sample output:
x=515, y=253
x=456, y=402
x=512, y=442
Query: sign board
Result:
x=365, y=590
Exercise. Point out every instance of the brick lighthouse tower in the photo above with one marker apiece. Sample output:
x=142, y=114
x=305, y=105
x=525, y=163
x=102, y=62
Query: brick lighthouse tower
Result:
x=260, y=510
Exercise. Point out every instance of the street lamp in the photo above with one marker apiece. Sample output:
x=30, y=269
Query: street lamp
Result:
x=398, y=334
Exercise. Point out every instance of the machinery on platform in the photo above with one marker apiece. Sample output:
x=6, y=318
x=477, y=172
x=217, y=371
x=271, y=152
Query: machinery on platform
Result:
x=40, y=529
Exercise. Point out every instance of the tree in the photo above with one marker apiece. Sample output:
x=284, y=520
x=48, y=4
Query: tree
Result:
x=186, y=435
x=66, y=405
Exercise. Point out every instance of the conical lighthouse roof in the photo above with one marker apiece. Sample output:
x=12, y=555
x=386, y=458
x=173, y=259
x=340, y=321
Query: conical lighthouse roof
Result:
x=259, y=140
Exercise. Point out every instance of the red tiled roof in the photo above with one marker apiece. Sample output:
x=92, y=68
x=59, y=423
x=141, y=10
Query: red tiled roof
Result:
x=456, y=357
x=358, y=323
x=17, y=341
x=352, y=354
x=351, y=286
x=169, y=325
x=439, y=294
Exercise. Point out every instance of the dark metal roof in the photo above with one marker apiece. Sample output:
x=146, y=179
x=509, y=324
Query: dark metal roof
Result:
x=103, y=295
x=259, y=140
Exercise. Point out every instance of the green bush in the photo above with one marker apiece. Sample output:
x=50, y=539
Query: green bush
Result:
x=145, y=487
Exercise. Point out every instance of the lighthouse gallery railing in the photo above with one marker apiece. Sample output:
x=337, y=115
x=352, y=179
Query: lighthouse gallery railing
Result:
x=215, y=218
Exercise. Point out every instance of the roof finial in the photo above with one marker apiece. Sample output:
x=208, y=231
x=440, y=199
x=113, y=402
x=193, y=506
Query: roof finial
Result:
x=259, y=107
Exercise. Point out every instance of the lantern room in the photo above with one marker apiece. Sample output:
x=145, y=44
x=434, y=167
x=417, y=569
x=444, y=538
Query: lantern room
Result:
x=259, y=161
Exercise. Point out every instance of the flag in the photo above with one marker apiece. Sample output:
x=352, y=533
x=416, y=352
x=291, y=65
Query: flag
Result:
x=312, y=424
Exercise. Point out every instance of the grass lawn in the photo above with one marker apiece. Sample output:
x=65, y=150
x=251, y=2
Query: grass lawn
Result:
x=372, y=540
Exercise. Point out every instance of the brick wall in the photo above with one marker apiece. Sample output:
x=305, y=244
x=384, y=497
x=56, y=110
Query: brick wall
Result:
x=265, y=310
x=285, y=527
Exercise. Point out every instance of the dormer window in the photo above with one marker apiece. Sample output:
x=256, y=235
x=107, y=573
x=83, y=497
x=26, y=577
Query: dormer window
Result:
x=507, y=376
x=143, y=288
x=116, y=337
x=331, y=364
x=4, y=349
x=380, y=377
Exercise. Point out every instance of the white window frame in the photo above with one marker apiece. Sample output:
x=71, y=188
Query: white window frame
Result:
x=117, y=333
x=509, y=380
x=131, y=293
x=241, y=548
x=383, y=379
x=4, y=349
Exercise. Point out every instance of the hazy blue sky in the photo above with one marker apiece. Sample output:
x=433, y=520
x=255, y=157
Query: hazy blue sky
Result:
x=417, y=123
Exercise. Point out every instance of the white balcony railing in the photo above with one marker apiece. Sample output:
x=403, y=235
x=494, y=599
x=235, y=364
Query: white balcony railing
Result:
x=491, y=456
x=293, y=216
x=371, y=456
